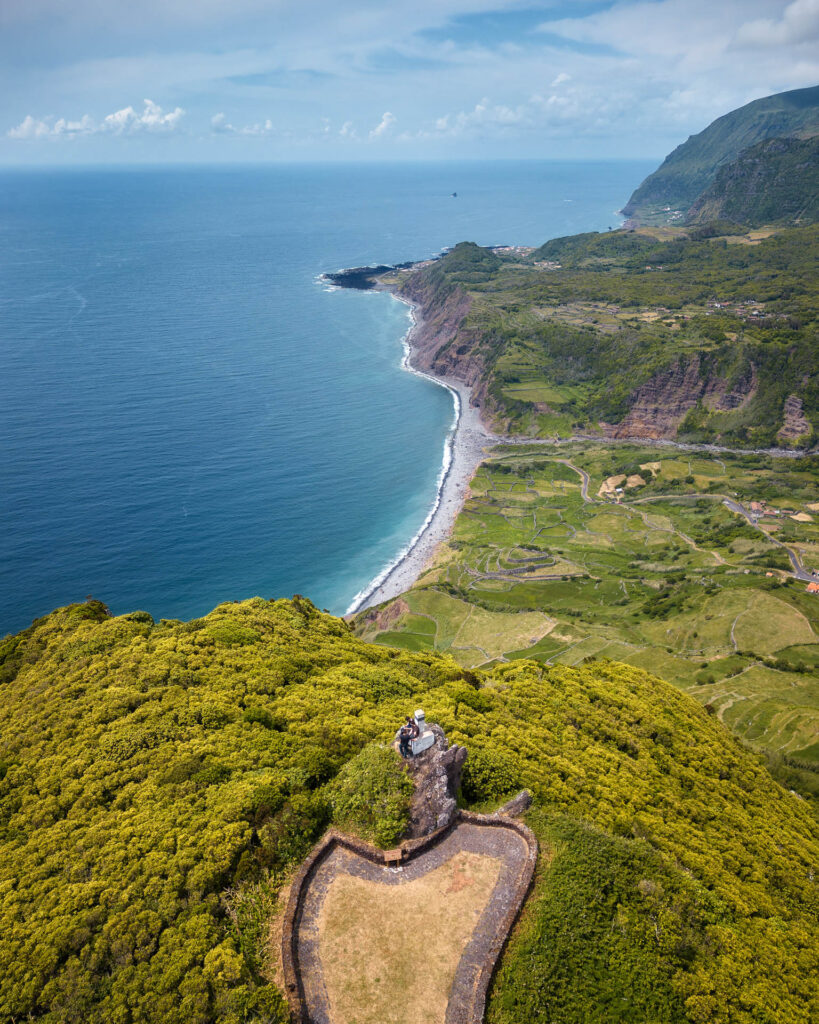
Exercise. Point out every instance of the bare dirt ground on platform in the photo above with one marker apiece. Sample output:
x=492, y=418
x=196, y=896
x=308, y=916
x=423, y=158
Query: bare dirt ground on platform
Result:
x=415, y=944
x=374, y=939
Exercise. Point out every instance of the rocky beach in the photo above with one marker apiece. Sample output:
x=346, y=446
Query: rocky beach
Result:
x=464, y=451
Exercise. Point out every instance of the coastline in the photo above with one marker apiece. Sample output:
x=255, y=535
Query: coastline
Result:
x=464, y=450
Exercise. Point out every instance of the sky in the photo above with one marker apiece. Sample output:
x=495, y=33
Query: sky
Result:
x=113, y=81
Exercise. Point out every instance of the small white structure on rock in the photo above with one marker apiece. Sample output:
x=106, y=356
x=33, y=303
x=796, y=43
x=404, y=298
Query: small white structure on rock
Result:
x=425, y=737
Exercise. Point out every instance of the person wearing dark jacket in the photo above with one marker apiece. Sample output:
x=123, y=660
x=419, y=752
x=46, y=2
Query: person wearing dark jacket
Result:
x=404, y=738
x=406, y=734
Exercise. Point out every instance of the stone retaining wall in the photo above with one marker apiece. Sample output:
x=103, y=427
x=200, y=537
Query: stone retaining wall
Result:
x=469, y=1008
x=465, y=1007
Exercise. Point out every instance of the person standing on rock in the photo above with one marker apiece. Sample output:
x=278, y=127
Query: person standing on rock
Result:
x=404, y=738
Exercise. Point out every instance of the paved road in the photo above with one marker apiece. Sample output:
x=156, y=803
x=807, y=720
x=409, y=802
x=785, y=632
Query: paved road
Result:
x=584, y=477
x=651, y=442
x=799, y=571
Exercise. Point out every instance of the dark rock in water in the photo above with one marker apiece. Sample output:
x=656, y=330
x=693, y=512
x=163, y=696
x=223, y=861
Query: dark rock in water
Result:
x=437, y=777
x=366, y=278
x=362, y=278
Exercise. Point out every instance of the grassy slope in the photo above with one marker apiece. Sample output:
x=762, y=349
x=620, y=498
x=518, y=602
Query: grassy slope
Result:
x=566, y=348
x=665, y=578
x=775, y=181
x=158, y=781
x=693, y=165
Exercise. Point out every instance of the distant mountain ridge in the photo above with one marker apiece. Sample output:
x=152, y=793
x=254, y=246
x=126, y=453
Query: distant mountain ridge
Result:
x=692, y=167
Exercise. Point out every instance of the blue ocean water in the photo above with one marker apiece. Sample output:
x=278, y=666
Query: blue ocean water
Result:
x=188, y=416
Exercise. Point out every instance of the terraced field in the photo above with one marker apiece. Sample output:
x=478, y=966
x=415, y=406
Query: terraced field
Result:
x=654, y=570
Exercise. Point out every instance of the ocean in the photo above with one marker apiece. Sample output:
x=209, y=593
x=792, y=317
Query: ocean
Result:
x=188, y=415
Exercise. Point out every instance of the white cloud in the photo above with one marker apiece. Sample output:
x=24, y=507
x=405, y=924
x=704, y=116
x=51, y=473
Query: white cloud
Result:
x=384, y=125
x=29, y=129
x=220, y=125
x=799, y=24
x=152, y=119
x=635, y=75
x=122, y=122
x=85, y=126
x=484, y=117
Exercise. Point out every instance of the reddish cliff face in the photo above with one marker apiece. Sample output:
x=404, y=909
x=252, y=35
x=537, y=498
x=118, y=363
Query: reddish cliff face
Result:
x=440, y=312
x=443, y=345
x=795, y=425
x=661, y=404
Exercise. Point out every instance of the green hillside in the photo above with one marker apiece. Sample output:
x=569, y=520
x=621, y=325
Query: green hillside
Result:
x=648, y=567
x=692, y=166
x=693, y=335
x=159, y=780
x=775, y=181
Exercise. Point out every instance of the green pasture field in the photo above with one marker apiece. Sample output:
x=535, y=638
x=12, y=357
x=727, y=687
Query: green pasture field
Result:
x=664, y=577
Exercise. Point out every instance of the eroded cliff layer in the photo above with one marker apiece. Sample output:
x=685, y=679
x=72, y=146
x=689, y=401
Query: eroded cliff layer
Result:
x=660, y=406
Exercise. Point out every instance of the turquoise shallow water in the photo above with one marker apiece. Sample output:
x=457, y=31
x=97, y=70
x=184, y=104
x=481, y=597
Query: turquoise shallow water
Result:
x=188, y=416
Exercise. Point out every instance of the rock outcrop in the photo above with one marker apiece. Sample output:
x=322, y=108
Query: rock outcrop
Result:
x=518, y=805
x=384, y=617
x=795, y=423
x=437, y=777
x=660, y=405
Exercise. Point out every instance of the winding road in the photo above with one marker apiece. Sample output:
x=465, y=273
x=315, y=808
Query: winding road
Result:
x=799, y=570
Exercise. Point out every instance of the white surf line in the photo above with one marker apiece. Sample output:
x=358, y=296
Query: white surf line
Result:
x=449, y=444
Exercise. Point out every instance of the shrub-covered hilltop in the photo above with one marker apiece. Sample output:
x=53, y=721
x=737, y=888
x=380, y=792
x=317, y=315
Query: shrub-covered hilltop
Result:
x=158, y=781
x=702, y=335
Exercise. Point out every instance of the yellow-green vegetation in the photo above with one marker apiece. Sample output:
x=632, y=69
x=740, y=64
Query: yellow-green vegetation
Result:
x=723, y=335
x=370, y=796
x=158, y=782
x=660, y=574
